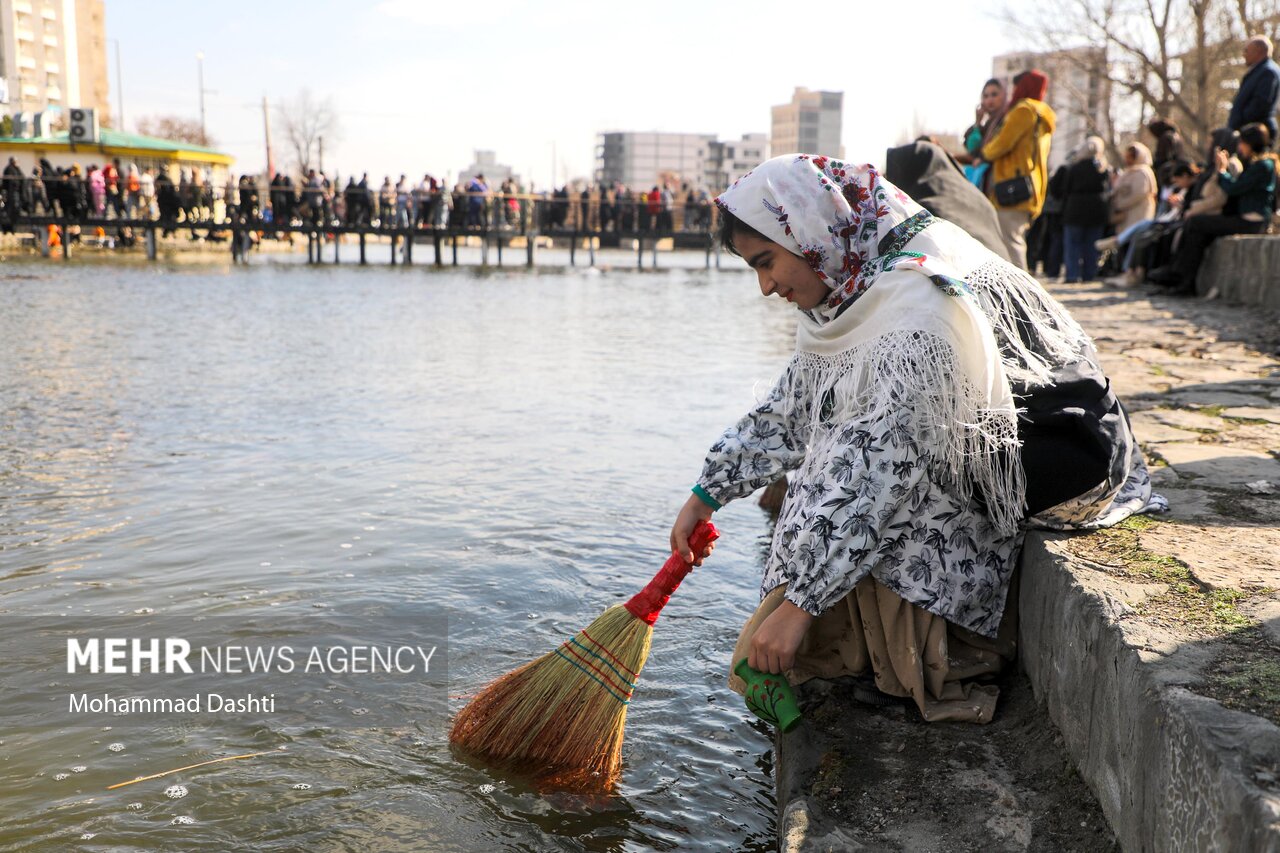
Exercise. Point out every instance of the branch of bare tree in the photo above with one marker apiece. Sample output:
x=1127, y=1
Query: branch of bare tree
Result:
x=308, y=121
x=176, y=128
x=1163, y=57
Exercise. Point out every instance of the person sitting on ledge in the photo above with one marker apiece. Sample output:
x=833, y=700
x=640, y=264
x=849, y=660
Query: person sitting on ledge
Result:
x=1254, y=192
x=938, y=401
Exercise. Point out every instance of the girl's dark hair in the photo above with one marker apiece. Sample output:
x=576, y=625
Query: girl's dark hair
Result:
x=1224, y=138
x=730, y=225
x=1186, y=169
x=1257, y=136
x=993, y=82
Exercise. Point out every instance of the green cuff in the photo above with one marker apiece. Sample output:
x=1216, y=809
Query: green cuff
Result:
x=706, y=498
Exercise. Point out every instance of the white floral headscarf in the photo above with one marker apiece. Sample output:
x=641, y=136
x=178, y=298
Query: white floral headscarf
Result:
x=847, y=221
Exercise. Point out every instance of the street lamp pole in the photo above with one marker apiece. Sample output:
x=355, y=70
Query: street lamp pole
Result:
x=119, y=85
x=204, y=134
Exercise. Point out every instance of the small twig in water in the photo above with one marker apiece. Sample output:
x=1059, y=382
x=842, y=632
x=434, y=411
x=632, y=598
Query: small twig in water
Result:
x=192, y=767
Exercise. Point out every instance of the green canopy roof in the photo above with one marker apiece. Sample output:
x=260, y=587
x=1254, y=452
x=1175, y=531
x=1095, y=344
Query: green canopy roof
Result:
x=117, y=139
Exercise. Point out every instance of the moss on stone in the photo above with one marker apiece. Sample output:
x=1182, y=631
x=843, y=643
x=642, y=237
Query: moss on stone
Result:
x=1139, y=521
x=1246, y=676
x=1184, y=601
x=1186, y=427
x=1154, y=459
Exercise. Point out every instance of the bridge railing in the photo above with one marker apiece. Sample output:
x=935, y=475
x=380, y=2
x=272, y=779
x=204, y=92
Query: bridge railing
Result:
x=72, y=201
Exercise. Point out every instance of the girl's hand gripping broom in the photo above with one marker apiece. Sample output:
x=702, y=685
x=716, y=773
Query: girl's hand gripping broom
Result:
x=562, y=716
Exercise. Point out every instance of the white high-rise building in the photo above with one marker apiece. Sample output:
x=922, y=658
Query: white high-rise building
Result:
x=486, y=163
x=1079, y=91
x=731, y=160
x=641, y=160
x=810, y=124
x=53, y=56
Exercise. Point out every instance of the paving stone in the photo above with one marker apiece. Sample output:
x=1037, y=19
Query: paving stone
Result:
x=1262, y=437
x=1150, y=354
x=1267, y=612
x=1202, y=373
x=1227, y=556
x=1219, y=465
x=1188, y=504
x=1197, y=398
x=1150, y=430
x=1132, y=378
x=1258, y=509
x=1268, y=413
x=1187, y=419
x=1141, y=402
x=1258, y=386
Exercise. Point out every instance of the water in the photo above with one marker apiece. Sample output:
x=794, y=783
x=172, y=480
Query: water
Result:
x=275, y=443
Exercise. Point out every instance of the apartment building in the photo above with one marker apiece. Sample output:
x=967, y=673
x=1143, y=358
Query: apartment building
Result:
x=53, y=55
x=810, y=124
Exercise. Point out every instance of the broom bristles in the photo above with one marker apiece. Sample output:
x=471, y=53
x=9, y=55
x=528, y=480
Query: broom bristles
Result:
x=565, y=712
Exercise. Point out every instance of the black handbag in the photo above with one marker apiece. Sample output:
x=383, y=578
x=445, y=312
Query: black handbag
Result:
x=1014, y=191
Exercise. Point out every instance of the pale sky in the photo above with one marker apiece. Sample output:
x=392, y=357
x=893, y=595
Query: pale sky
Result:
x=420, y=84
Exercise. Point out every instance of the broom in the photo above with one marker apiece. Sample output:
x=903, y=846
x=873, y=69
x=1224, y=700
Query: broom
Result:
x=563, y=714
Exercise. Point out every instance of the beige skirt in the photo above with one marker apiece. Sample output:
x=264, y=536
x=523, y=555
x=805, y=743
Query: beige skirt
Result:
x=911, y=652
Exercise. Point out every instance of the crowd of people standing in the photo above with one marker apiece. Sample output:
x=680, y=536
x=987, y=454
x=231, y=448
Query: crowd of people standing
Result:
x=1153, y=215
x=123, y=191
x=73, y=192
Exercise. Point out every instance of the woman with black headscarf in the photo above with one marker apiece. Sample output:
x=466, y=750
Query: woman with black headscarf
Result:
x=1170, y=150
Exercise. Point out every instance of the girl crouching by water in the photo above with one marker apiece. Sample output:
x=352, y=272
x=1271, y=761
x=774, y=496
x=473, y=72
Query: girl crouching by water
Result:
x=939, y=400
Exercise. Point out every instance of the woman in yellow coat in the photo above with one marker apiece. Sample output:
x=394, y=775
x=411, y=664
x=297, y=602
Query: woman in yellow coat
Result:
x=1021, y=147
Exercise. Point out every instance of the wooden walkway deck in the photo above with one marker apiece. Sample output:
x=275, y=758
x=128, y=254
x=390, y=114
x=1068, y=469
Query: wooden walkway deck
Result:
x=242, y=235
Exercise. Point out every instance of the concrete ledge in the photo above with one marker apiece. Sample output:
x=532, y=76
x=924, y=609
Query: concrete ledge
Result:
x=1243, y=268
x=1172, y=770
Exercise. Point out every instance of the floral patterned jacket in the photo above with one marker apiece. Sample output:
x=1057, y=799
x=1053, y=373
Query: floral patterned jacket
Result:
x=863, y=502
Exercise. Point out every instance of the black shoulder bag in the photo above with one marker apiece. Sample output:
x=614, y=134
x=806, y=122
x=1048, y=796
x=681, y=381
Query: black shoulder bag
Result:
x=1016, y=190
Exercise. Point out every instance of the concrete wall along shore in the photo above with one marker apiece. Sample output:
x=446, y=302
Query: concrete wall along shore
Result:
x=1243, y=268
x=1156, y=647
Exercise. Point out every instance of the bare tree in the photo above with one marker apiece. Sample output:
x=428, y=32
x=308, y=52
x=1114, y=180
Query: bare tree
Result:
x=307, y=121
x=1163, y=57
x=177, y=128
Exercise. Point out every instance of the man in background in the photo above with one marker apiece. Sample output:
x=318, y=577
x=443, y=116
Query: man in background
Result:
x=1259, y=92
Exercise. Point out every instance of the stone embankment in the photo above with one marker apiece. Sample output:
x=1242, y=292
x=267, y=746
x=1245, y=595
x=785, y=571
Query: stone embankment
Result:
x=1244, y=269
x=1153, y=647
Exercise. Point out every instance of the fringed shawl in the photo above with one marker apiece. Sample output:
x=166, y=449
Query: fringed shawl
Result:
x=867, y=352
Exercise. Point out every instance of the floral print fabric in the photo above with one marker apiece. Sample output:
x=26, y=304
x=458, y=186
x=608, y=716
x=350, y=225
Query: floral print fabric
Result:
x=862, y=502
